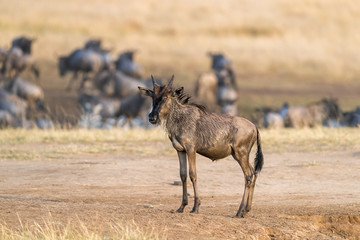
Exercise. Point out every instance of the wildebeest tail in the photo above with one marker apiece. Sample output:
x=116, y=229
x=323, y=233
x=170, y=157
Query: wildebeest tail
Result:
x=259, y=158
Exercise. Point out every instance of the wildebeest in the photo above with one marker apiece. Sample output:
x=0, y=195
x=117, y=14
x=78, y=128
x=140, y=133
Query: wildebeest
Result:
x=206, y=88
x=93, y=44
x=352, y=118
x=17, y=61
x=31, y=93
x=125, y=63
x=274, y=119
x=15, y=106
x=313, y=114
x=219, y=61
x=192, y=129
x=81, y=60
x=6, y=119
x=24, y=43
x=223, y=70
x=26, y=90
x=117, y=84
x=97, y=105
x=107, y=108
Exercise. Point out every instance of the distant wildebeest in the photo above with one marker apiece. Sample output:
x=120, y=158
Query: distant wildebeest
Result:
x=31, y=93
x=275, y=120
x=219, y=61
x=15, y=106
x=81, y=60
x=17, y=61
x=351, y=119
x=6, y=119
x=26, y=90
x=226, y=83
x=97, y=105
x=93, y=44
x=192, y=129
x=24, y=43
x=125, y=63
x=206, y=88
x=313, y=114
x=130, y=107
x=117, y=84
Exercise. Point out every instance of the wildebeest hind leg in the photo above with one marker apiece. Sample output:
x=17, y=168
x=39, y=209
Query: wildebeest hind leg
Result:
x=242, y=157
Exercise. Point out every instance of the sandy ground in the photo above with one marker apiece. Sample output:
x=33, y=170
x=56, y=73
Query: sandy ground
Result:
x=298, y=195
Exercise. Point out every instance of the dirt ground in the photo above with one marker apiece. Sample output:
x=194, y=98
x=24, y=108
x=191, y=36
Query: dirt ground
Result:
x=298, y=195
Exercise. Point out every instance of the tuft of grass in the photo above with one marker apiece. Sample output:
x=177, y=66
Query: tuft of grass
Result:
x=50, y=229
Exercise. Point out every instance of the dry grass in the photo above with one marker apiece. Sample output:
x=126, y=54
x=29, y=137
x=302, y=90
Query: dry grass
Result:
x=50, y=229
x=57, y=144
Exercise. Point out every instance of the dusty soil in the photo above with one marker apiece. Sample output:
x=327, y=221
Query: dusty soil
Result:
x=298, y=195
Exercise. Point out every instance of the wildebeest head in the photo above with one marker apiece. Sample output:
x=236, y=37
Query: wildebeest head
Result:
x=62, y=66
x=333, y=109
x=219, y=61
x=24, y=43
x=162, y=97
x=93, y=44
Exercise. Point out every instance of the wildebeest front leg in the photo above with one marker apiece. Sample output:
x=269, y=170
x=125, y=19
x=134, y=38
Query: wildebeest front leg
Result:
x=192, y=172
x=183, y=176
x=84, y=79
x=71, y=82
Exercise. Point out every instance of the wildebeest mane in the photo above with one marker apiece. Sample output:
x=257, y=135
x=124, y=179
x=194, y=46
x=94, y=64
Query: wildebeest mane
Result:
x=184, y=99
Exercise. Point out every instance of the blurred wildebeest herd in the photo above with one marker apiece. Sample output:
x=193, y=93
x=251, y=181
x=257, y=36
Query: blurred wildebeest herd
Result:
x=108, y=92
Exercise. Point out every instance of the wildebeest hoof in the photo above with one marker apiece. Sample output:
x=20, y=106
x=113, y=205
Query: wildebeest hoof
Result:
x=241, y=214
x=194, y=211
x=180, y=210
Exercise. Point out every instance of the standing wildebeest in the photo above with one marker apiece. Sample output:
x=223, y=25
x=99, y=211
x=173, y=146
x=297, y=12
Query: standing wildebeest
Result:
x=314, y=114
x=81, y=60
x=125, y=63
x=117, y=84
x=206, y=88
x=226, y=83
x=192, y=129
x=16, y=60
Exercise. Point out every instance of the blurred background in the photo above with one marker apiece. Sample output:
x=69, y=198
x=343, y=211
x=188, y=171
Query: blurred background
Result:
x=281, y=51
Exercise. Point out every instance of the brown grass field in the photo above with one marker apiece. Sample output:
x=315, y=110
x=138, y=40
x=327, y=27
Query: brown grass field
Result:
x=119, y=184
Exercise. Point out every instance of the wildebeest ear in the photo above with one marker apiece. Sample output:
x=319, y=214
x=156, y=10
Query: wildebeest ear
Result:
x=146, y=91
x=179, y=90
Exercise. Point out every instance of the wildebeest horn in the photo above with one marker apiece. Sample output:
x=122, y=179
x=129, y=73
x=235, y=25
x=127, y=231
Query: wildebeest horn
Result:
x=170, y=81
x=153, y=81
